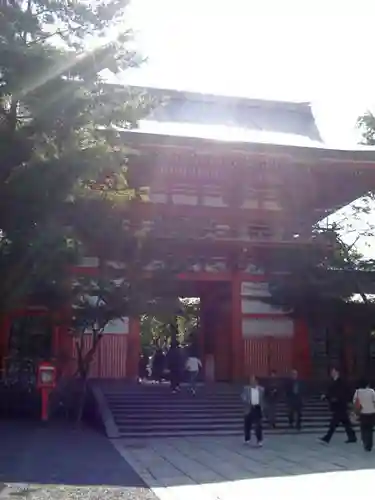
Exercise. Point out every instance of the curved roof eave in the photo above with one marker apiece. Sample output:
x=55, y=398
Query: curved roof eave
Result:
x=317, y=151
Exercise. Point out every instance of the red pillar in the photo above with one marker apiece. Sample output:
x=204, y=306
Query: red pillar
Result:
x=133, y=348
x=236, y=333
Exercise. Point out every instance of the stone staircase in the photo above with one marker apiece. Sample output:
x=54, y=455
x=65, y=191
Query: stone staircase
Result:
x=149, y=410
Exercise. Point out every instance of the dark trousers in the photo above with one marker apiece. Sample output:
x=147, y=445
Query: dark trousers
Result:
x=174, y=379
x=340, y=416
x=367, y=428
x=253, y=419
x=192, y=381
x=295, y=413
x=271, y=412
x=157, y=374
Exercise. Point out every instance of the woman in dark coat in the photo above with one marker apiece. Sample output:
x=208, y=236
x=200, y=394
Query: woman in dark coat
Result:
x=158, y=365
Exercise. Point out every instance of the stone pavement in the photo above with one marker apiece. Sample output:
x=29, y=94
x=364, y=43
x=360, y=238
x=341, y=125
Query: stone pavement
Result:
x=224, y=468
x=60, y=462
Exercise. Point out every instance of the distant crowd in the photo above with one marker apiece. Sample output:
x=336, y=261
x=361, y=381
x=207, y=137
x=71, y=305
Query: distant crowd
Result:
x=177, y=363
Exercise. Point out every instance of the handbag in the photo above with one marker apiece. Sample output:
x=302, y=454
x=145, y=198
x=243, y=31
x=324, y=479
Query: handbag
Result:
x=353, y=417
x=357, y=407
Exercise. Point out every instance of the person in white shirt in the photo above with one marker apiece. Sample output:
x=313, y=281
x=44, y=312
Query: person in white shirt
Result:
x=253, y=399
x=364, y=405
x=193, y=365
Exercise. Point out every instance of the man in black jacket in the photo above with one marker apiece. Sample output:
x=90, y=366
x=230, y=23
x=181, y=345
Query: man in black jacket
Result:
x=294, y=400
x=338, y=398
x=272, y=394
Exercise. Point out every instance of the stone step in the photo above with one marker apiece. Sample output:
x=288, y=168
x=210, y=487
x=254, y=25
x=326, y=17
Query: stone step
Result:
x=187, y=397
x=193, y=400
x=190, y=399
x=167, y=409
x=153, y=411
x=183, y=393
x=186, y=392
x=211, y=424
x=204, y=413
x=208, y=416
x=172, y=426
x=268, y=433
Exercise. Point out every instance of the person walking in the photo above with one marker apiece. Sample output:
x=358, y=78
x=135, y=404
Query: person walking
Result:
x=158, y=365
x=271, y=395
x=364, y=405
x=253, y=399
x=338, y=399
x=174, y=365
x=193, y=365
x=294, y=400
x=142, y=367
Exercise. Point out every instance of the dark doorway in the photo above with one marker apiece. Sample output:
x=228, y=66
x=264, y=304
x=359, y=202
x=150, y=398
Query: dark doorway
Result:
x=30, y=342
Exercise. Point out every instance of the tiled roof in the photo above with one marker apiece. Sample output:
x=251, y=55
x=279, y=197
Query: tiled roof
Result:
x=200, y=115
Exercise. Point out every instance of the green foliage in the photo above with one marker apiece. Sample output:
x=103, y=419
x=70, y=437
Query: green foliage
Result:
x=325, y=272
x=188, y=320
x=54, y=108
x=113, y=294
x=184, y=312
x=366, y=123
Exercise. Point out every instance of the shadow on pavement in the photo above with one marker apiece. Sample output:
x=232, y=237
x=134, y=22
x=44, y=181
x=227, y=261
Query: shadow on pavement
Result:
x=60, y=454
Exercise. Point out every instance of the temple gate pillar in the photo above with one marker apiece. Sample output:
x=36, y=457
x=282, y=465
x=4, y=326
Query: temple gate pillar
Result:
x=133, y=348
x=236, y=330
x=301, y=349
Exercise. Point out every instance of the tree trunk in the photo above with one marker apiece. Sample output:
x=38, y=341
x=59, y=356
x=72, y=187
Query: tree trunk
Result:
x=84, y=364
x=366, y=302
x=82, y=399
x=174, y=331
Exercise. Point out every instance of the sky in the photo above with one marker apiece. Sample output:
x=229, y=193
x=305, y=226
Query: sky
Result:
x=315, y=50
x=300, y=50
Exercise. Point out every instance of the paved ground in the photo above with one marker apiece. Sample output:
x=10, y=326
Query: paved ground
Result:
x=293, y=467
x=59, y=462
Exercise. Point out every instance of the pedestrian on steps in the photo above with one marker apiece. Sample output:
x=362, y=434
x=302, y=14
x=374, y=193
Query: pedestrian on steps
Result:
x=253, y=399
x=174, y=360
x=193, y=365
x=158, y=365
x=338, y=397
x=294, y=399
x=142, y=367
x=364, y=406
x=272, y=394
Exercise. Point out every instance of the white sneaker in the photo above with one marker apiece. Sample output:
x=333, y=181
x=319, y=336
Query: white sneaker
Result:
x=260, y=444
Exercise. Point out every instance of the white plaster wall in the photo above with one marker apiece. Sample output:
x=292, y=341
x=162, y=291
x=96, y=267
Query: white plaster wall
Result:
x=158, y=197
x=116, y=265
x=116, y=327
x=213, y=201
x=185, y=199
x=271, y=205
x=250, y=203
x=249, y=306
x=89, y=262
x=279, y=327
x=255, y=289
